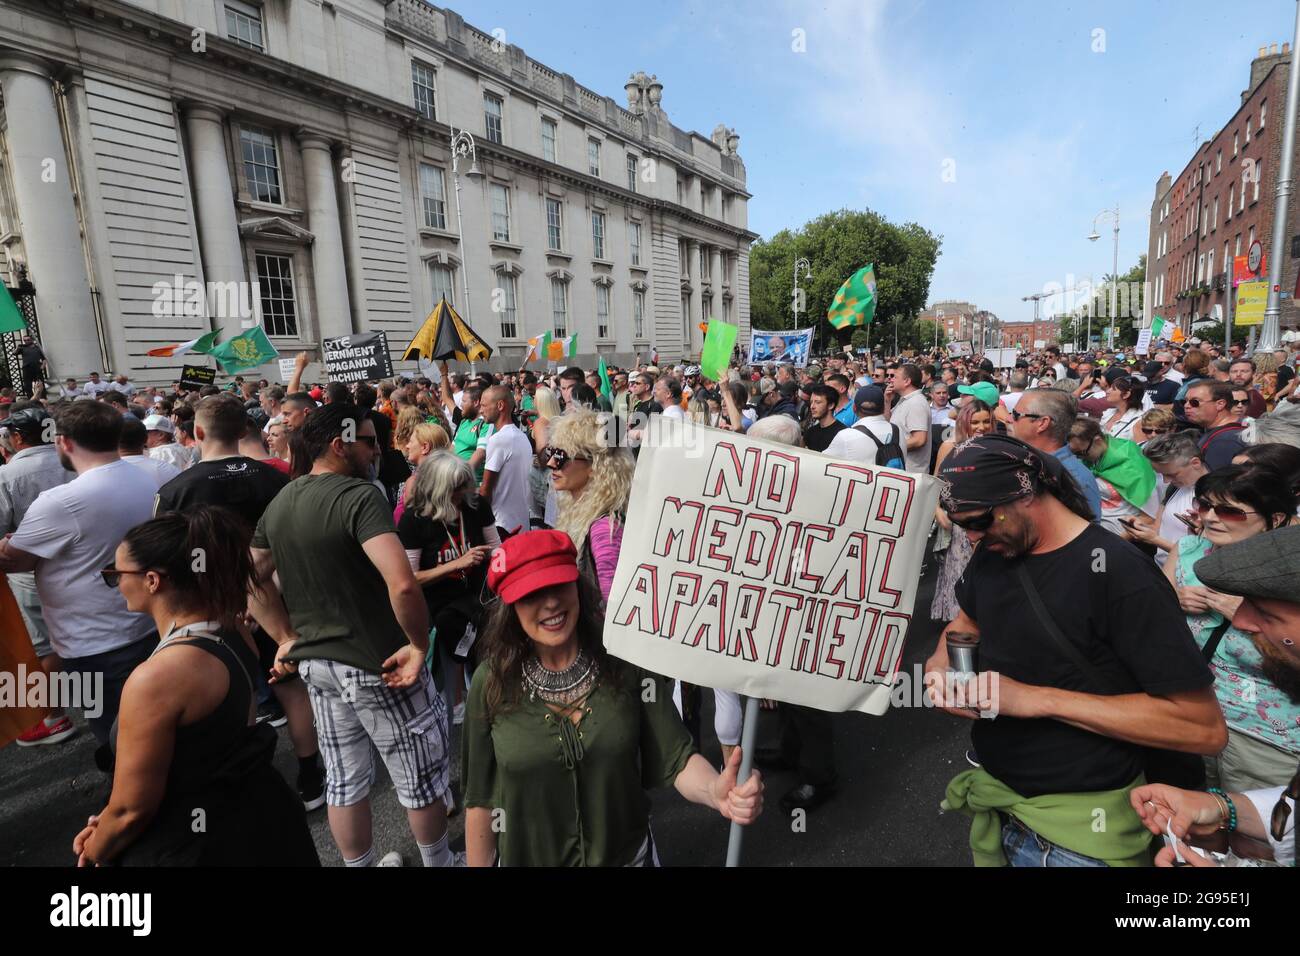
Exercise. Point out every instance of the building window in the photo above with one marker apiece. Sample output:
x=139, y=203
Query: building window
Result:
x=275, y=285
x=634, y=233
x=559, y=308
x=1251, y=241
x=506, y=283
x=602, y=311
x=244, y=25
x=433, y=197
x=1259, y=174
x=726, y=311
x=1241, y=202
x=423, y=89
x=554, y=224
x=1236, y=246
x=1214, y=223
x=1234, y=144
x=1263, y=113
x=1209, y=267
x=442, y=279
x=638, y=315
x=492, y=109
x=706, y=308
x=500, y=212
x=631, y=171
x=1218, y=163
x=593, y=156
x=261, y=164
x=1232, y=198
x=548, y=140
x=1205, y=221
x=598, y=235
x=686, y=319
x=1248, y=122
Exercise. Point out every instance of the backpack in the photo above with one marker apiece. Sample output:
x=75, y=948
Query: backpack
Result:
x=888, y=454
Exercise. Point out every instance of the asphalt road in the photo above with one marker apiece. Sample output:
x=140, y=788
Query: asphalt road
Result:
x=892, y=771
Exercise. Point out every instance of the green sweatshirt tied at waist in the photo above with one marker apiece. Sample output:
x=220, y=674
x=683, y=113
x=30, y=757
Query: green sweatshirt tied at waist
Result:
x=1100, y=824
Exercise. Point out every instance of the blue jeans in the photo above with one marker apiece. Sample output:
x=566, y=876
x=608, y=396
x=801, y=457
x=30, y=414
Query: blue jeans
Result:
x=1024, y=847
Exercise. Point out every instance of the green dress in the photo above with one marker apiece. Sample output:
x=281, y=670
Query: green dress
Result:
x=595, y=812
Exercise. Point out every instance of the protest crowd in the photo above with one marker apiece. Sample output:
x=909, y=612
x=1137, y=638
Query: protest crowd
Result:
x=372, y=565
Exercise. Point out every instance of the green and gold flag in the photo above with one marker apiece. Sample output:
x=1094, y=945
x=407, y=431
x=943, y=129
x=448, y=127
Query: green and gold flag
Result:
x=247, y=350
x=855, y=303
x=11, y=320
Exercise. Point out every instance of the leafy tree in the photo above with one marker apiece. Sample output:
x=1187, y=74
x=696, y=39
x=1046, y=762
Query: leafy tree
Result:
x=836, y=245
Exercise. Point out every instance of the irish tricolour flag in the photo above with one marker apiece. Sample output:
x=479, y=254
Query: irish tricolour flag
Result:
x=566, y=347
x=201, y=346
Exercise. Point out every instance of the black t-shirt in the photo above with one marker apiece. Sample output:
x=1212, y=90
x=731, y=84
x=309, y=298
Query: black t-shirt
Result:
x=1164, y=392
x=439, y=542
x=1118, y=609
x=818, y=437
x=31, y=356
x=241, y=484
x=1284, y=374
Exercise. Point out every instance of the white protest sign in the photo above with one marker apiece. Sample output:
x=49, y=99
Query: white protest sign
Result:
x=429, y=369
x=1003, y=358
x=769, y=570
x=1143, y=342
x=286, y=370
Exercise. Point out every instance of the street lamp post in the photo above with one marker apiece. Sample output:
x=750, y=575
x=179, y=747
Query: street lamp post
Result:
x=462, y=145
x=1114, y=275
x=794, y=298
x=1270, y=331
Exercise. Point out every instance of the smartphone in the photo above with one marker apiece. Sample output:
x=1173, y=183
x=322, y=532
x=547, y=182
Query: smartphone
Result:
x=1191, y=525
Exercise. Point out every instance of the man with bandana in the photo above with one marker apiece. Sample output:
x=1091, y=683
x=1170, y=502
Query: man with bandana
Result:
x=1085, y=662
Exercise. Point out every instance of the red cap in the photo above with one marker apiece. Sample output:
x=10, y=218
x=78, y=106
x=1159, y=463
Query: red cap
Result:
x=532, y=561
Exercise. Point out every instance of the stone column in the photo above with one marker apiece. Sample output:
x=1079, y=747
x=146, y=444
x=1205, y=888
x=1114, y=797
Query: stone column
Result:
x=715, y=275
x=214, y=206
x=47, y=217
x=328, y=266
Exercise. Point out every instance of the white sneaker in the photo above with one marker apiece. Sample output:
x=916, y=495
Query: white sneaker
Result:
x=458, y=714
x=392, y=858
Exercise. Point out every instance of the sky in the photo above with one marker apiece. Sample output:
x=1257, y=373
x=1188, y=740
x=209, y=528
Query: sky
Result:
x=1005, y=126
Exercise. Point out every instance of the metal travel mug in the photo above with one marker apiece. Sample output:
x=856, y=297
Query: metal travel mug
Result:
x=963, y=652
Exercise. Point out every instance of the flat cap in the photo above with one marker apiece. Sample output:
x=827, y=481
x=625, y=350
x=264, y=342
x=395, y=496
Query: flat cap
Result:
x=1263, y=566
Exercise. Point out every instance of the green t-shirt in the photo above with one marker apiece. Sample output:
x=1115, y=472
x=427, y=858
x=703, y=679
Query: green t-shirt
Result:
x=336, y=598
x=526, y=403
x=471, y=436
x=596, y=814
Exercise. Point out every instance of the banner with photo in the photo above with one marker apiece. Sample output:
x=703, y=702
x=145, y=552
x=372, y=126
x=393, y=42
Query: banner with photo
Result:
x=769, y=570
x=776, y=348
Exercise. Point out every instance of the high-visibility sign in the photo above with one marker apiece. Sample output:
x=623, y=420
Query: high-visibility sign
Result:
x=1252, y=300
x=1241, y=270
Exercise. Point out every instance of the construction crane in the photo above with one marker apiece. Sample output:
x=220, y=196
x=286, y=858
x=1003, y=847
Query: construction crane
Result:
x=1039, y=296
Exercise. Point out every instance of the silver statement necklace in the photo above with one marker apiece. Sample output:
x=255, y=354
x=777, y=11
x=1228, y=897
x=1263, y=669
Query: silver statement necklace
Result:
x=560, y=687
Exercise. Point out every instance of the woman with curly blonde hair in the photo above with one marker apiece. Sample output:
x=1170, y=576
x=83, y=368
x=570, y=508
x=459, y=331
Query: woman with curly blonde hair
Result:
x=592, y=478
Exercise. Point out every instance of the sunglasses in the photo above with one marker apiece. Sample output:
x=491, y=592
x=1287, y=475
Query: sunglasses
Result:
x=980, y=522
x=1016, y=415
x=1282, y=810
x=112, y=576
x=559, y=456
x=1224, y=512
x=1158, y=431
x=1241, y=401
x=1198, y=402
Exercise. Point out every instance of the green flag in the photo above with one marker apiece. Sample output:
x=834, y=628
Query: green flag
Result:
x=247, y=350
x=11, y=320
x=1157, y=326
x=606, y=388
x=719, y=342
x=855, y=303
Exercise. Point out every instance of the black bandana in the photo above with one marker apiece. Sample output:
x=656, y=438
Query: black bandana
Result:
x=992, y=470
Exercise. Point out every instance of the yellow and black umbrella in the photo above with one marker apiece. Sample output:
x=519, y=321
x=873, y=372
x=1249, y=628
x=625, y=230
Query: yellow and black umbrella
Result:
x=445, y=335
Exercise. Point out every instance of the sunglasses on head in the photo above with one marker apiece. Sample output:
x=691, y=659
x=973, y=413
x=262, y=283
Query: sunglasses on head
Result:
x=1224, y=512
x=559, y=456
x=979, y=522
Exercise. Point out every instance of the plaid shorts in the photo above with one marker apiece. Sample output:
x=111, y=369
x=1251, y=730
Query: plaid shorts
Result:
x=407, y=725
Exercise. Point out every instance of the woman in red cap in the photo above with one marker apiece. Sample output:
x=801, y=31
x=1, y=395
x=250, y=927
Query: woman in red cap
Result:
x=561, y=741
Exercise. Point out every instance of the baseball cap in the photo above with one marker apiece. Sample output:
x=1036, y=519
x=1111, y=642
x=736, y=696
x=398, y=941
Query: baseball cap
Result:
x=985, y=392
x=814, y=371
x=530, y=562
x=766, y=386
x=26, y=418
x=1151, y=370
x=872, y=394
x=159, y=423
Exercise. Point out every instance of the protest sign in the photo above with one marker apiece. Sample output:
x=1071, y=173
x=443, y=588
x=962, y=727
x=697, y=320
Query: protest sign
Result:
x=1003, y=358
x=767, y=569
x=1143, y=346
x=362, y=357
x=287, y=368
x=196, y=376
x=780, y=347
x=959, y=349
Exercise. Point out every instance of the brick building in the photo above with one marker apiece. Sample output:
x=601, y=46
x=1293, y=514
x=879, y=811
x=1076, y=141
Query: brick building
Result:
x=1220, y=203
x=956, y=319
x=1025, y=335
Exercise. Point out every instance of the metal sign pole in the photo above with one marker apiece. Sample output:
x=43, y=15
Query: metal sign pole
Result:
x=747, y=737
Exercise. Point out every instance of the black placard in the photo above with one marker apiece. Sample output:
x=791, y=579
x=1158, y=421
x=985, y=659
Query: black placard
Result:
x=363, y=357
x=196, y=376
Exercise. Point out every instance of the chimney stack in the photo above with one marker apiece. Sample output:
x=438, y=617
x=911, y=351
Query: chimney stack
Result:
x=1263, y=51
x=1272, y=49
x=1286, y=48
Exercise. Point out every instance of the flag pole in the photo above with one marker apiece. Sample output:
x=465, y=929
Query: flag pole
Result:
x=747, y=737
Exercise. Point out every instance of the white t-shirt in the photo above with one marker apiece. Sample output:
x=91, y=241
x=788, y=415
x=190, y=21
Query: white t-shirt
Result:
x=126, y=388
x=853, y=445
x=675, y=411
x=510, y=455
x=912, y=414
x=157, y=469
x=173, y=454
x=1171, y=529
x=1011, y=399
x=75, y=529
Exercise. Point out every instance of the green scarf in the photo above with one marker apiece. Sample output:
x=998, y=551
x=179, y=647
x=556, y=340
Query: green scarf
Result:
x=1125, y=467
x=1101, y=824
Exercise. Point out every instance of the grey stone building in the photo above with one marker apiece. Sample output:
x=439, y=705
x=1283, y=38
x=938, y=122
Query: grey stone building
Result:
x=172, y=166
